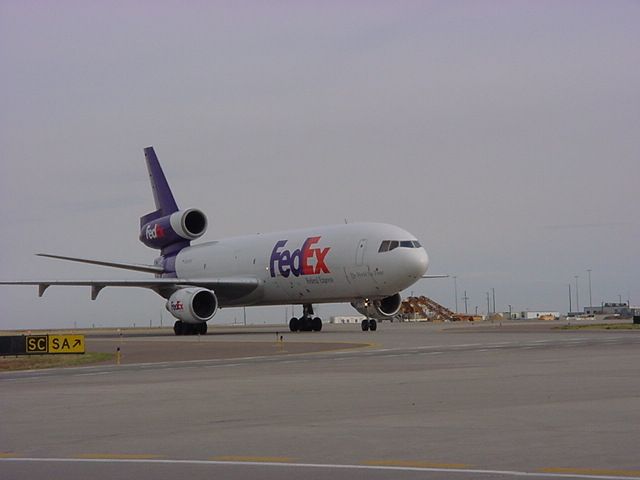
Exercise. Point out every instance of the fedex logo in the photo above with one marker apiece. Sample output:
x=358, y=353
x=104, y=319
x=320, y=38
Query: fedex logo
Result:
x=154, y=232
x=298, y=262
x=178, y=305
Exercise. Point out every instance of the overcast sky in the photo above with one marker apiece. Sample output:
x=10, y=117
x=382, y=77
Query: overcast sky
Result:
x=504, y=134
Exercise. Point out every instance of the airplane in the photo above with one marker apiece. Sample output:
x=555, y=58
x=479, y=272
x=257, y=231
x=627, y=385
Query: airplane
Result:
x=365, y=264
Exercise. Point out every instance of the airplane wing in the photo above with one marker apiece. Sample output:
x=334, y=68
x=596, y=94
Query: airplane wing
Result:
x=127, y=266
x=226, y=289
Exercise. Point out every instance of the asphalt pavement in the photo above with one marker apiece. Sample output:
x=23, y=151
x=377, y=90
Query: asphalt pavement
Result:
x=408, y=401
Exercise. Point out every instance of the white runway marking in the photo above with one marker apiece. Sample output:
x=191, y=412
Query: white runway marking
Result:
x=469, y=471
x=90, y=374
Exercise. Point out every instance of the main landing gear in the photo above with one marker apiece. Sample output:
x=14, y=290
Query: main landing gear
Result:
x=369, y=324
x=307, y=322
x=182, y=328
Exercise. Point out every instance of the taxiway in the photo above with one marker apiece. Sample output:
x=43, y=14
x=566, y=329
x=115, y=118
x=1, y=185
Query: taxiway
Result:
x=413, y=401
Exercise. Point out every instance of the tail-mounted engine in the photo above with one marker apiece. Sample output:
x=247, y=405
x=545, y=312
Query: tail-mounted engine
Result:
x=178, y=228
x=379, y=309
x=193, y=305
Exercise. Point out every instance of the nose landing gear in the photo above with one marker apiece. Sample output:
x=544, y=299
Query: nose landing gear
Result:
x=369, y=324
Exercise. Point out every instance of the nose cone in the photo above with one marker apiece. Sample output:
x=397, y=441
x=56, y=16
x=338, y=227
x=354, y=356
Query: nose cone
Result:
x=421, y=262
x=416, y=262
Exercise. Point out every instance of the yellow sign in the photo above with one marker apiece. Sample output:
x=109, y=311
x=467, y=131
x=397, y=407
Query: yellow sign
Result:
x=66, y=344
x=41, y=344
x=37, y=344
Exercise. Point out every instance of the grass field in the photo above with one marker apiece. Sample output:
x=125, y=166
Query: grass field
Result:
x=31, y=362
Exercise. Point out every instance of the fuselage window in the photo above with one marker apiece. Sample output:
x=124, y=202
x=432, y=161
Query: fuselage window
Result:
x=406, y=244
x=393, y=245
x=416, y=244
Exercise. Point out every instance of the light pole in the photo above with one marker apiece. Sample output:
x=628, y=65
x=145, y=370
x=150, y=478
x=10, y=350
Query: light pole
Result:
x=509, y=312
x=570, y=299
x=455, y=290
x=488, y=305
x=493, y=293
x=466, y=299
x=590, y=299
x=577, y=297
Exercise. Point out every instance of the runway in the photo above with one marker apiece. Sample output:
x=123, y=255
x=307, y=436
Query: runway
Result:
x=416, y=401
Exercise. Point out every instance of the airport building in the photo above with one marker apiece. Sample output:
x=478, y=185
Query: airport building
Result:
x=342, y=319
x=538, y=315
x=611, y=308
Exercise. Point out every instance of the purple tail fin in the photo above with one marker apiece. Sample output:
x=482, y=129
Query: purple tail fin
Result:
x=165, y=203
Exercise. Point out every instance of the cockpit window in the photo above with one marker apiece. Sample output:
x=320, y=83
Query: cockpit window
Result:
x=388, y=245
x=384, y=246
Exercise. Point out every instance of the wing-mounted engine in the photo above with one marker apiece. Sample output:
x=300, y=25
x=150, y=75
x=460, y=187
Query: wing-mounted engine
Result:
x=178, y=229
x=379, y=309
x=193, y=305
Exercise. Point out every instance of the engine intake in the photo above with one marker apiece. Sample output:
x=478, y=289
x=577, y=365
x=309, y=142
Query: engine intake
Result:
x=189, y=224
x=379, y=309
x=181, y=226
x=193, y=305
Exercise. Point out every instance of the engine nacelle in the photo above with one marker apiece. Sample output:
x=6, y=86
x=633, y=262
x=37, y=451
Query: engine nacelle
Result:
x=193, y=305
x=181, y=226
x=379, y=309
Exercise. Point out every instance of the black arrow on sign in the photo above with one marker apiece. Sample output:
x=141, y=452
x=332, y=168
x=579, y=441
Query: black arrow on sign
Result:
x=77, y=343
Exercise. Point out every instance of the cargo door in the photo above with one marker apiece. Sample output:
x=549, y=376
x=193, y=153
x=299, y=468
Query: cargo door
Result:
x=362, y=247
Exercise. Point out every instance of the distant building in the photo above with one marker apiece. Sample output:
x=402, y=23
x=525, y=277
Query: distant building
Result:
x=537, y=315
x=611, y=308
x=346, y=319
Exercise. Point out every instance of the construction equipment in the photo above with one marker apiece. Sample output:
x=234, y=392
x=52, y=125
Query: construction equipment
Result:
x=424, y=308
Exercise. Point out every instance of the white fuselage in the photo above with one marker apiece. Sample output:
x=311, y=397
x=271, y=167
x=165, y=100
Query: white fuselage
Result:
x=335, y=263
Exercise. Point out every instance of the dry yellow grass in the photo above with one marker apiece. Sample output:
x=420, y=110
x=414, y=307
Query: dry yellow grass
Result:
x=31, y=362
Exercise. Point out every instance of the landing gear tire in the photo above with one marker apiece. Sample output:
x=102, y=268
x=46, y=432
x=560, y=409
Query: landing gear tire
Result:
x=182, y=328
x=294, y=324
x=178, y=328
x=369, y=324
x=316, y=324
x=306, y=324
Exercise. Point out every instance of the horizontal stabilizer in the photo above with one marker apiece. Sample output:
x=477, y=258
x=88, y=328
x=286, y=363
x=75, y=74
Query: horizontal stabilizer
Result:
x=126, y=266
x=435, y=276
